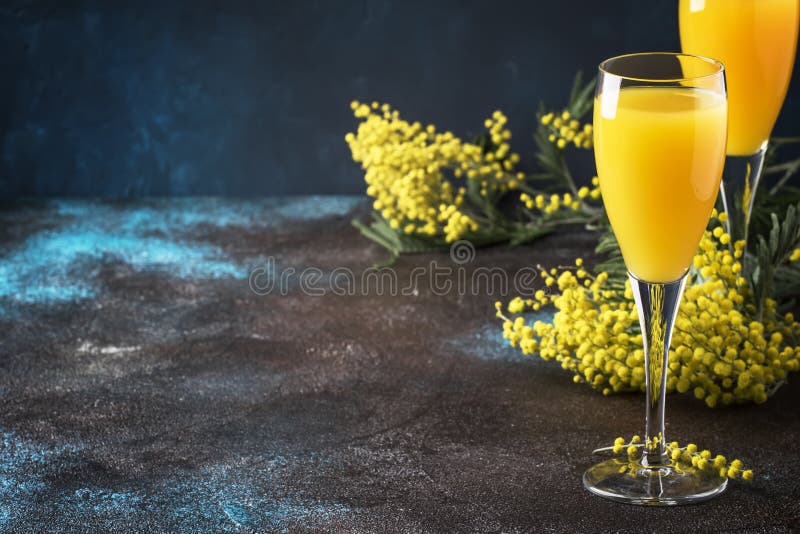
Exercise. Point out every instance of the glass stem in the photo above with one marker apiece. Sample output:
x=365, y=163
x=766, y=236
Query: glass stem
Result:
x=738, y=190
x=657, y=304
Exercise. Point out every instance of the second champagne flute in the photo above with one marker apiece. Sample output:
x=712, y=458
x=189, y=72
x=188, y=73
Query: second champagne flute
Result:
x=756, y=41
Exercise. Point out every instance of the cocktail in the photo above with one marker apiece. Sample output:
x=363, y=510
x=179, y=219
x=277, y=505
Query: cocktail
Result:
x=756, y=40
x=660, y=130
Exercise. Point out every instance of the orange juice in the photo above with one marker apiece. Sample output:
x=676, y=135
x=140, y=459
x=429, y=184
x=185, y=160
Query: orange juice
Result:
x=756, y=41
x=659, y=154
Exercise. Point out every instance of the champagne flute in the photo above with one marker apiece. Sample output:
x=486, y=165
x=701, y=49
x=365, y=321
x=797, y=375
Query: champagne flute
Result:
x=660, y=128
x=756, y=40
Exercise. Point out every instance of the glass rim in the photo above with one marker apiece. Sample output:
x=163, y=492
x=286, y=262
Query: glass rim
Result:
x=720, y=67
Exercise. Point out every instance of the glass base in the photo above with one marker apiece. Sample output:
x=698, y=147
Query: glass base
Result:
x=628, y=481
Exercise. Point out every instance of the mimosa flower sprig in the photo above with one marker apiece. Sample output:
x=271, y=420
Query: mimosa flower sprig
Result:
x=730, y=345
x=431, y=188
x=686, y=457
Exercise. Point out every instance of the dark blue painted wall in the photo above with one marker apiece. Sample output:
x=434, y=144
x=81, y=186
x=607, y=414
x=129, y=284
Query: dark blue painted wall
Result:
x=117, y=98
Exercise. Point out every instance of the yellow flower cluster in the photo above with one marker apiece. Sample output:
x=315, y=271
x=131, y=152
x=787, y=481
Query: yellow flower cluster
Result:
x=549, y=204
x=564, y=129
x=408, y=170
x=683, y=457
x=719, y=351
x=593, y=192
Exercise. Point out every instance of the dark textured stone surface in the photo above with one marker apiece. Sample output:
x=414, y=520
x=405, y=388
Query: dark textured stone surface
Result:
x=145, y=387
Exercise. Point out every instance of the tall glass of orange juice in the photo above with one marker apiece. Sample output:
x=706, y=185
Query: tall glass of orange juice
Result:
x=756, y=40
x=660, y=132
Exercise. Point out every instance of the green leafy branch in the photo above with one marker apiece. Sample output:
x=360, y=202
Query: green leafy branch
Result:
x=772, y=261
